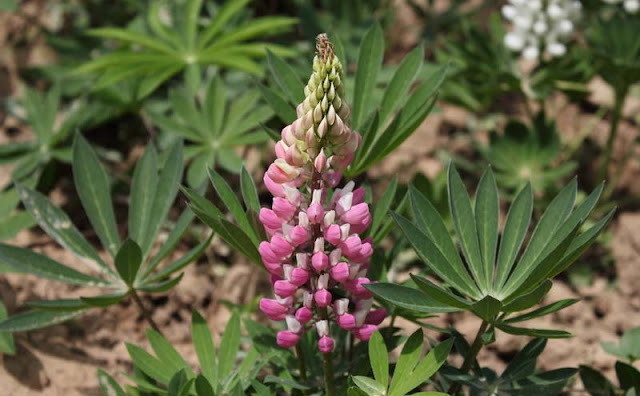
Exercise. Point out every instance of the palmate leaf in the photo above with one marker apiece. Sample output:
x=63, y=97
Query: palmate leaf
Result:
x=487, y=283
x=164, y=51
x=213, y=127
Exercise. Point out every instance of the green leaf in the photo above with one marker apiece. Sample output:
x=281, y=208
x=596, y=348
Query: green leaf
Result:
x=465, y=225
x=151, y=81
x=10, y=225
x=229, y=346
x=282, y=108
x=203, y=345
x=7, y=345
x=379, y=359
x=453, y=273
x=557, y=212
x=487, y=216
x=400, y=83
x=408, y=359
x=529, y=300
x=286, y=77
x=149, y=365
x=143, y=193
x=232, y=203
x=540, y=333
x=35, y=320
x=203, y=387
x=523, y=363
x=58, y=225
x=370, y=386
x=165, y=195
x=543, y=311
x=182, y=262
x=487, y=308
x=249, y=191
x=595, y=383
x=108, y=385
x=430, y=222
x=440, y=294
x=381, y=210
x=408, y=298
x=104, y=300
x=426, y=368
x=222, y=17
x=128, y=261
x=161, y=287
x=353, y=391
x=93, y=189
x=370, y=59
x=581, y=243
x=180, y=384
x=165, y=352
x=128, y=36
x=515, y=229
x=62, y=305
x=628, y=376
x=25, y=260
x=179, y=228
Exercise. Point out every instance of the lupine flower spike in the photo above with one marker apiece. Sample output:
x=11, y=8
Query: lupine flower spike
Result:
x=540, y=26
x=317, y=260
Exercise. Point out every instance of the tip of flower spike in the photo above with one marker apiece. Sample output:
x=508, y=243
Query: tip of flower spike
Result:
x=324, y=47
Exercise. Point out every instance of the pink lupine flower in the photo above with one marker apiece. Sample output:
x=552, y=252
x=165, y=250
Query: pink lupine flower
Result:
x=314, y=245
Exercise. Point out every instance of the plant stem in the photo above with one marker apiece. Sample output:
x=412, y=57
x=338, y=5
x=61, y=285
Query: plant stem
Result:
x=471, y=356
x=303, y=368
x=613, y=131
x=144, y=311
x=327, y=365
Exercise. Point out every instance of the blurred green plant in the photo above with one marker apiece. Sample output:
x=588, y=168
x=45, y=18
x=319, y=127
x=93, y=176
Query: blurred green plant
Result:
x=628, y=348
x=173, y=41
x=153, y=192
x=616, y=47
x=214, y=126
x=7, y=345
x=167, y=373
x=596, y=384
x=410, y=370
x=51, y=125
x=385, y=116
x=482, y=68
x=522, y=155
x=496, y=282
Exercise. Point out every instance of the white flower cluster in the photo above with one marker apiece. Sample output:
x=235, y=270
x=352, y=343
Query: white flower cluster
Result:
x=631, y=6
x=540, y=25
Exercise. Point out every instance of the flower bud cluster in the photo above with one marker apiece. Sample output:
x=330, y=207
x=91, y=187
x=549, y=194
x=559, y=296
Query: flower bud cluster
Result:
x=318, y=140
x=317, y=260
x=540, y=25
x=631, y=6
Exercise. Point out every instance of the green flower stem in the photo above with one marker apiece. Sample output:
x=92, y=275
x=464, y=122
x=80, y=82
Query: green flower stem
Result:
x=613, y=131
x=144, y=311
x=327, y=365
x=471, y=356
x=303, y=368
